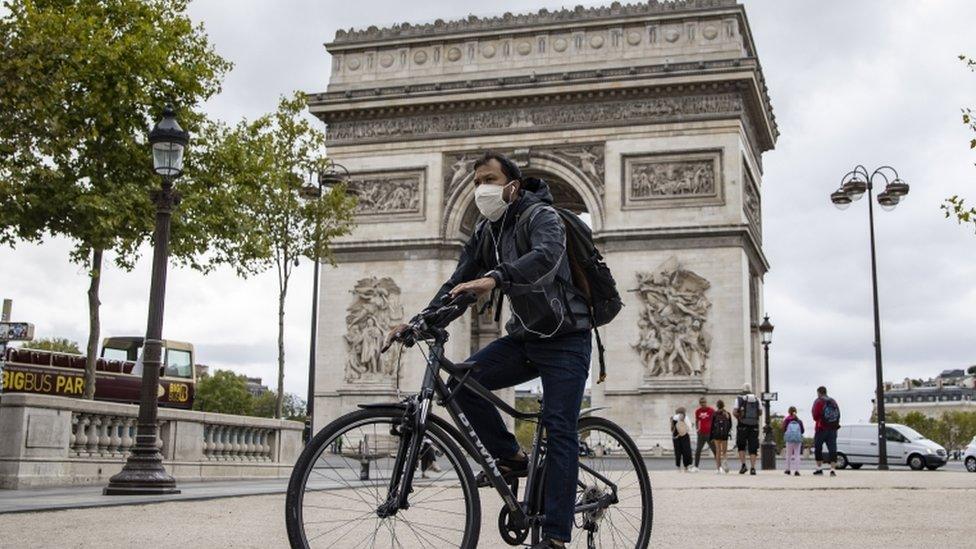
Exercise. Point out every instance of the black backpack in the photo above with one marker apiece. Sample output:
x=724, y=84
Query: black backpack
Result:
x=591, y=277
x=721, y=424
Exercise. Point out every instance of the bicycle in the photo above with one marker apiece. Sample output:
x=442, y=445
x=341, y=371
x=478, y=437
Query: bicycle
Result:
x=367, y=495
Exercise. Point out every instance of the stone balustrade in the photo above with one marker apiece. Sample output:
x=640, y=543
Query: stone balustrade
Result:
x=48, y=440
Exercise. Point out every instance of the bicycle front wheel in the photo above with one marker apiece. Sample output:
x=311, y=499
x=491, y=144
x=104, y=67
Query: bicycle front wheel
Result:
x=609, y=460
x=344, y=476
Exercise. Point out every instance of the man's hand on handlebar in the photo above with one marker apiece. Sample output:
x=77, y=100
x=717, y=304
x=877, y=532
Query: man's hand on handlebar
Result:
x=480, y=287
x=419, y=326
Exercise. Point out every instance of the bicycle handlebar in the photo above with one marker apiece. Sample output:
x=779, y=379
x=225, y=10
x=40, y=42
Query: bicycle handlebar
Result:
x=424, y=323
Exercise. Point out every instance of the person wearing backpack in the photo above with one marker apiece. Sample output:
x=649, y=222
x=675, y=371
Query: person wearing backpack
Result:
x=793, y=436
x=747, y=411
x=681, y=437
x=721, y=431
x=826, y=417
x=558, y=290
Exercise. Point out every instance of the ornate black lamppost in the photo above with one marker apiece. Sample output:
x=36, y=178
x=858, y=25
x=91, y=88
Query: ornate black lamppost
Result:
x=143, y=472
x=769, y=443
x=852, y=187
x=328, y=179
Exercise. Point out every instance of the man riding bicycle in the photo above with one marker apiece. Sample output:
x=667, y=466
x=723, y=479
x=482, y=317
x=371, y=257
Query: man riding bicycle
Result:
x=548, y=332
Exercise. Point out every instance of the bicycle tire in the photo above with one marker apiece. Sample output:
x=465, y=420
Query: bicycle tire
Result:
x=643, y=535
x=294, y=501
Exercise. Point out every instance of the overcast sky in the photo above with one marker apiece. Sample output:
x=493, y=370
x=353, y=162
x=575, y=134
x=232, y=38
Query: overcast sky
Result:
x=871, y=82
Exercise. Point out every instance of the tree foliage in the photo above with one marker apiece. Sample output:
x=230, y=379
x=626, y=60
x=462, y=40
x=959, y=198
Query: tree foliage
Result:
x=226, y=393
x=56, y=344
x=267, y=162
x=81, y=83
x=223, y=392
x=954, y=206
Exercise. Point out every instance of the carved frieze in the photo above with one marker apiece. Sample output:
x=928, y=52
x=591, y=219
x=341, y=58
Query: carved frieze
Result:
x=543, y=117
x=389, y=195
x=674, y=340
x=751, y=204
x=374, y=310
x=672, y=179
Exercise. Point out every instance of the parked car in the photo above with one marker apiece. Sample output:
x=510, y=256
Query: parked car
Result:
x=858, y=445
x=970, y=456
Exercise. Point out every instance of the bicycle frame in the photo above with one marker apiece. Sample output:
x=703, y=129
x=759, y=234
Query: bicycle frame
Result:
x=419, y=409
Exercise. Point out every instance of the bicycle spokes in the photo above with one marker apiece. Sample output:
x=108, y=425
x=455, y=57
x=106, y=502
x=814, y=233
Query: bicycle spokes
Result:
x=350, y=493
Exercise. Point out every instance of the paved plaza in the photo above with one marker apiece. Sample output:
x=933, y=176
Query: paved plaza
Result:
x=862, y=508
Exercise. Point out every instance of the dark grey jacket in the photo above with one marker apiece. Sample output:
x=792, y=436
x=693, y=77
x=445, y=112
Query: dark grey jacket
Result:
x=537, y=281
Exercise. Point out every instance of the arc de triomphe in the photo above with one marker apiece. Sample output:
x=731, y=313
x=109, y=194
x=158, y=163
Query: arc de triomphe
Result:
x=650, y=118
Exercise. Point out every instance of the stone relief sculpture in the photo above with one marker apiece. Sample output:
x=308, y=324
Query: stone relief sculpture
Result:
x=750, y=203
x=427, y=125
x=682, y=178
x=388, y=193
x=674, y=339
x=375, y=309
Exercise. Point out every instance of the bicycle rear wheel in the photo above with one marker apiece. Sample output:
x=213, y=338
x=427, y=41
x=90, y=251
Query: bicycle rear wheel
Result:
x=344, y=475
x=607, y=453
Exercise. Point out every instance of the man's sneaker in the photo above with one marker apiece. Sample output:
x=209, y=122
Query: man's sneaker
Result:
x=435, y=467
x=743, y=469
x=719, y=471
x=818, y=472
x=796, y=473
x=693, y=469
x=787, y=472
x=833, y=474
x=752, y=471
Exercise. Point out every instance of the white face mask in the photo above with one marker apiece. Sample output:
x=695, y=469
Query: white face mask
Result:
x=490, y=200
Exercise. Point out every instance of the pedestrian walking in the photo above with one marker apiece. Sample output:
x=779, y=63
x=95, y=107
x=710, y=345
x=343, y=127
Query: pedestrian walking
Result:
x=703, y=430
x=747, y=411
x=721, y=430
x=793, y=435
x=681, y=435
x=826, y=417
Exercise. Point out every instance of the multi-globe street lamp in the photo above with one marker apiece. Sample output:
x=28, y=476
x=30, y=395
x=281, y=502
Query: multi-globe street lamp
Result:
x=327, y=179
x=852, y=187
x=143, y=472
x=769, y=443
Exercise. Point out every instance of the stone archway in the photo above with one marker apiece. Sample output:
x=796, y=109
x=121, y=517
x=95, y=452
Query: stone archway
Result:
x=575, y=174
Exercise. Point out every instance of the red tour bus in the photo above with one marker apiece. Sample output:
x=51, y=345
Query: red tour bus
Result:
x=63, y=374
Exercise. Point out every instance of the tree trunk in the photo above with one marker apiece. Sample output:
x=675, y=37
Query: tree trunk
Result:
x=94, y=325
x=279, y=400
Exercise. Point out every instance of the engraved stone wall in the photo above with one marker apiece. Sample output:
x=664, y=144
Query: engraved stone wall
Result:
x=374, y=310
x=751, y=204
x=389, y=195
x=674, y=340
x=504, y=120
x=672, y=179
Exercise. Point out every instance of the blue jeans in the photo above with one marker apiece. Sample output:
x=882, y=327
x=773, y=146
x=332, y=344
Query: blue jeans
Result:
x=563, y=363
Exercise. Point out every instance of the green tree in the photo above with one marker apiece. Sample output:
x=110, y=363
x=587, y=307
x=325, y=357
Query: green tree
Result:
x=56, y=344
x=81, y=82
x=271, y=158
x=223, y=392
x=954, y=206
x=263, y=404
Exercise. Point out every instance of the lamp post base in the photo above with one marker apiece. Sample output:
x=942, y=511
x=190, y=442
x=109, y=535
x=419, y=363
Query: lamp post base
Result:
x=767, y=451
x=142, y=475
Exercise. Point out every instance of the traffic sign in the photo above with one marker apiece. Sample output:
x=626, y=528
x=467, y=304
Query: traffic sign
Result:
x=16, y=331
x=772, y=397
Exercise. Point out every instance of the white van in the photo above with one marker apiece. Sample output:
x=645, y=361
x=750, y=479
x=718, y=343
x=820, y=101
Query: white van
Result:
x=858, y=444
x=970, y=456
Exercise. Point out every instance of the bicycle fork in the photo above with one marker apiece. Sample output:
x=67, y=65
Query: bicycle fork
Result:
x=411, y=432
